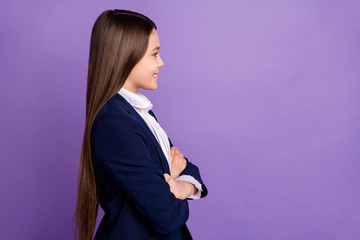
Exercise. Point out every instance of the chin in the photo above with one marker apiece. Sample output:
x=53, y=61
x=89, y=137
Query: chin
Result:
x=153, y=87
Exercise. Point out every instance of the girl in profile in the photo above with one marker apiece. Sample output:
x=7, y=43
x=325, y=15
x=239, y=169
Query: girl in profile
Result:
x=128, y=164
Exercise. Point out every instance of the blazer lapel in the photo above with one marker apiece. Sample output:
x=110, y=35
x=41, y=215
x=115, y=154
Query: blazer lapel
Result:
x=127, y=106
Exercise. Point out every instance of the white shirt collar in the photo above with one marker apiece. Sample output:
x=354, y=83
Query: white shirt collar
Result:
x=136, y=100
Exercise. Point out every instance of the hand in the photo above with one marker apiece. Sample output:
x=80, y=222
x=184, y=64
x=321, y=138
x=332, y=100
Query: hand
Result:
x=178, y=162
x=181, y=189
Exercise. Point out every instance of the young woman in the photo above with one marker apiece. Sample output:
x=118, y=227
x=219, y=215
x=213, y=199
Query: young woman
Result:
x=127, y=163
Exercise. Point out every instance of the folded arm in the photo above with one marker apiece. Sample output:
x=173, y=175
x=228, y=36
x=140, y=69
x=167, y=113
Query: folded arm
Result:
x=190, y=174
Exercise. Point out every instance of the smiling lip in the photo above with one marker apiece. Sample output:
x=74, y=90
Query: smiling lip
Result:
x=155, y=75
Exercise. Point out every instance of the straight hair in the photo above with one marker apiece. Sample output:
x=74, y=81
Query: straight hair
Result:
x=119, y=40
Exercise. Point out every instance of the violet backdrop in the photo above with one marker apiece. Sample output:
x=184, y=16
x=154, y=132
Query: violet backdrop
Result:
x=262, y=95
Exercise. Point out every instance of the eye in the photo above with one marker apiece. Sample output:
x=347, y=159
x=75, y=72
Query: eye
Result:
x=155, y=54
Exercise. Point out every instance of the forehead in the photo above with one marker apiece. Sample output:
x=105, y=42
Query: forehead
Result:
x=154, y=40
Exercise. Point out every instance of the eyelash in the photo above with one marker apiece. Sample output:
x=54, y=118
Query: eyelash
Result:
x=155, y=54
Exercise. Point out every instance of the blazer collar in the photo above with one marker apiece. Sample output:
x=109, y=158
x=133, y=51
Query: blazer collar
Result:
x=123, y=103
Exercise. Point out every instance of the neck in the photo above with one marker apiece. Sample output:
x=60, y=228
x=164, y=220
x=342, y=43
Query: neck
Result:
x=129, y=88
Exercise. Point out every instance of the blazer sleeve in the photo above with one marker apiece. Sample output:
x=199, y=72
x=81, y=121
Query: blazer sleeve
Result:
x=190, y=169
x=121, y=151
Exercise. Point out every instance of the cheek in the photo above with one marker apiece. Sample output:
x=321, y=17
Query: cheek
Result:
x=138, y=71
x=144, y=70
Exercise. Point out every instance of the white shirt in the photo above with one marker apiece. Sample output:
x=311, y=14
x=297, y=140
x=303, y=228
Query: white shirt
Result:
x=142, y=105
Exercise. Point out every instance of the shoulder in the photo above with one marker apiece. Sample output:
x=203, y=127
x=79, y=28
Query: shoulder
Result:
x=115, y=114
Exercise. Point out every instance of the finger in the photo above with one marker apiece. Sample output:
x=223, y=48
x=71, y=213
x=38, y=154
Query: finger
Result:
x=179, y=150
x=166, y=176
x=177, y=156
x=185, y=163
x=172, y=154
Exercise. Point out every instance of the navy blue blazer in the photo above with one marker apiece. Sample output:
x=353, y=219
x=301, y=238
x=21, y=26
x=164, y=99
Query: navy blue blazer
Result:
x=129, y=166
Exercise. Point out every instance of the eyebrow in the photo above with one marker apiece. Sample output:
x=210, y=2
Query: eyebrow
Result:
x=156, y=48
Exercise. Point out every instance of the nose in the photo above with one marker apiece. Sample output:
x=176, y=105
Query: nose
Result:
x=160, y=62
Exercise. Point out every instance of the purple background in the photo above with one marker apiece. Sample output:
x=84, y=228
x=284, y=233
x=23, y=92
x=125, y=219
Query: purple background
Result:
x=262, y=95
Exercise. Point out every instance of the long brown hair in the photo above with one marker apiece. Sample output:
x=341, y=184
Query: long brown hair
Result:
x=119, y=40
